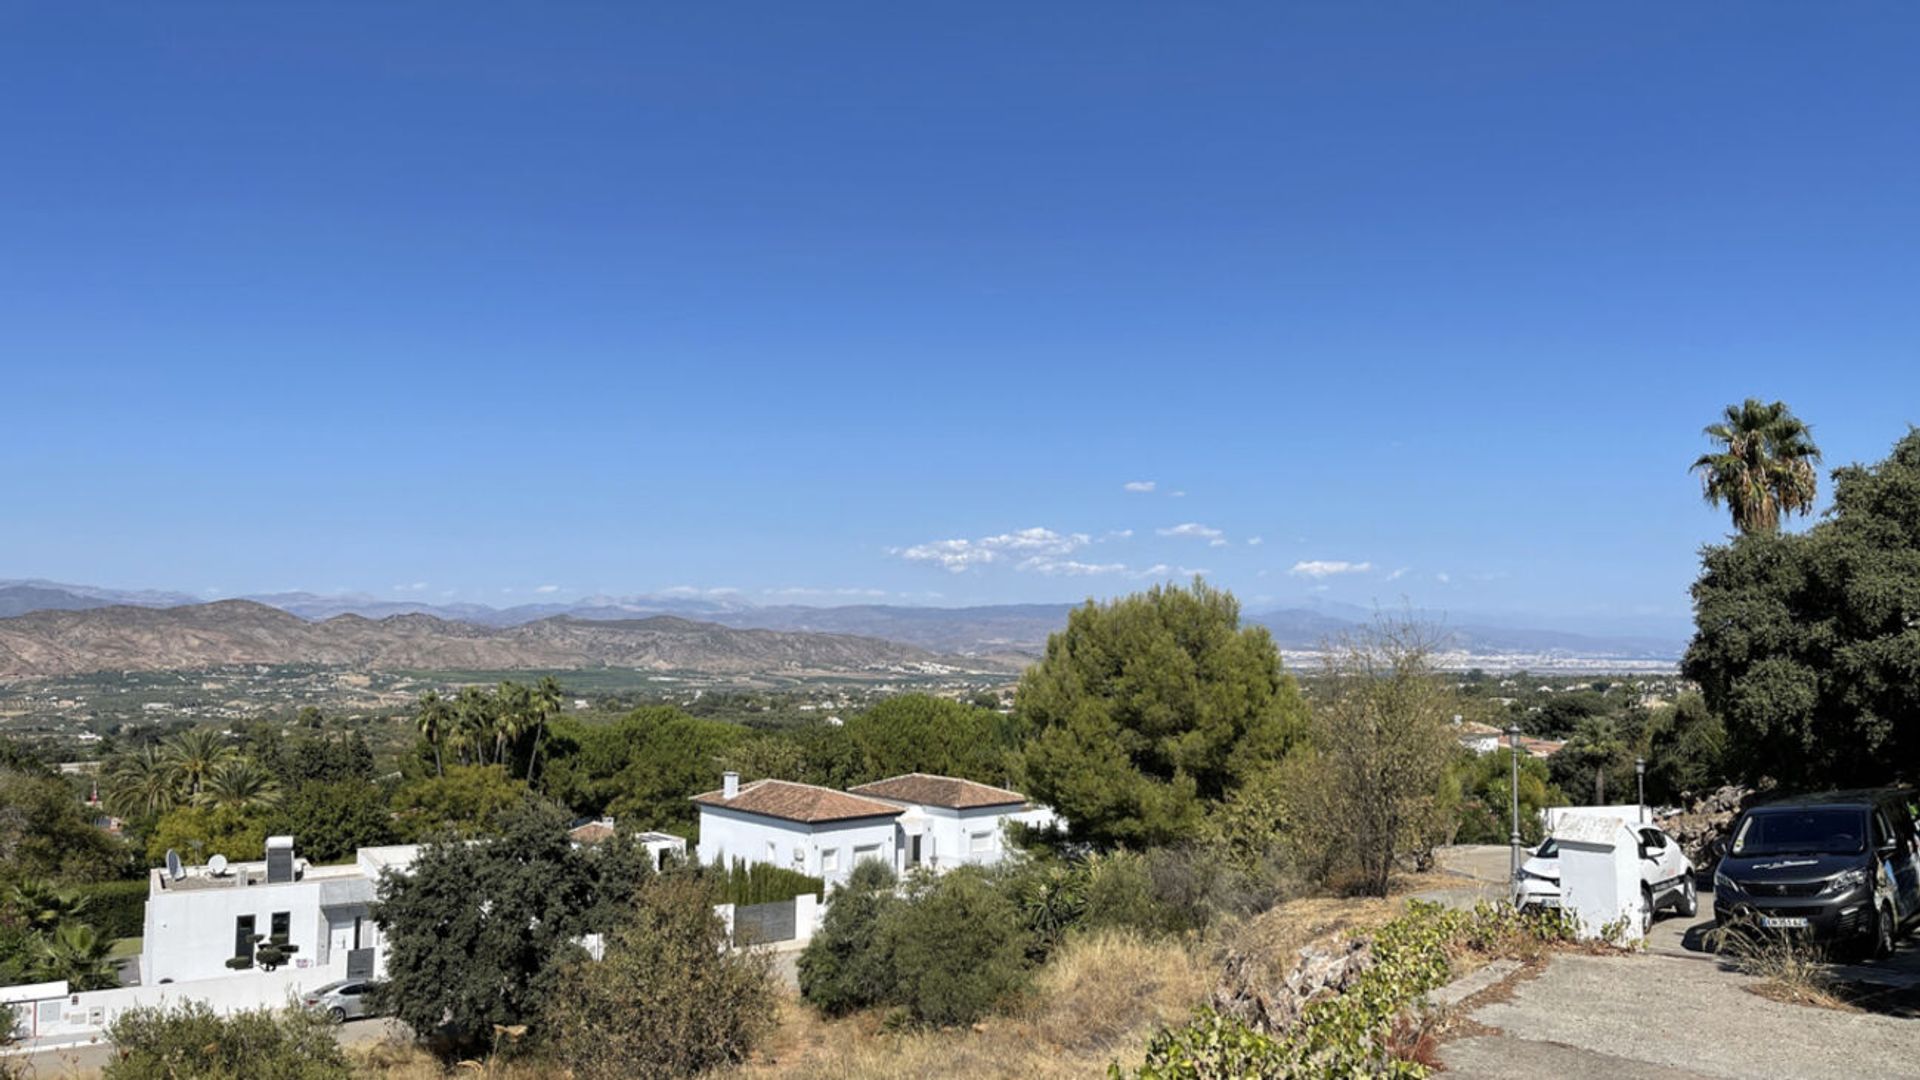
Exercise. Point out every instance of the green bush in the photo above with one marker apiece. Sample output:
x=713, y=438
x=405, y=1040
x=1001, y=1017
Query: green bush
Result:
x=957, y=948
x=190, y=1042
x=763, y=883
x=667, y=999
x=843, y=968
x=1175, y=890
x=116, y=909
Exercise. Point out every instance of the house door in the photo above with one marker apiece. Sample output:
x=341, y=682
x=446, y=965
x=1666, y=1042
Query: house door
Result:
x=913, y=850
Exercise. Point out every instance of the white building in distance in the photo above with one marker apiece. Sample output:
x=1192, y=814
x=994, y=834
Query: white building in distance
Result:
x=905, y=822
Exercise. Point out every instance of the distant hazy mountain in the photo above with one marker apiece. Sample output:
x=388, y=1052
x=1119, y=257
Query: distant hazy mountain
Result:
x=1004, y=630
x=130, y=638
x=18, y=597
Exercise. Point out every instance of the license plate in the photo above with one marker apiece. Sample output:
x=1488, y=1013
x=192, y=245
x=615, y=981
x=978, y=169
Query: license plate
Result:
x=1783, y=922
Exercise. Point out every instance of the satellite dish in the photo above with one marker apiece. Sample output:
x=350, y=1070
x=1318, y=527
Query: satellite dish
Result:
x=174, y=870
x=217, y=866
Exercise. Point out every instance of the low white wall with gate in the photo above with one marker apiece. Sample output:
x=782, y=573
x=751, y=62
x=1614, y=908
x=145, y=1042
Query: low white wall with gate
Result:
x=54, y=1016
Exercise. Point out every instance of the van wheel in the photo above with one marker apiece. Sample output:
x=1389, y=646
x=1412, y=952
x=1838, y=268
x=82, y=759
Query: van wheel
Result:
x=1689, y=900
x=1882, y=946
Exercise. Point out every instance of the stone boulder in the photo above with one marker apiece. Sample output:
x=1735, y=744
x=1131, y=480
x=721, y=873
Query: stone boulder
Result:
x=1249, y=989
x=1705, y=818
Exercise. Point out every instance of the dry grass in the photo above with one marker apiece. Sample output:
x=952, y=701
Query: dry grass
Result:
x=1100, y=999
x=398, y=1059
x=1788, y=968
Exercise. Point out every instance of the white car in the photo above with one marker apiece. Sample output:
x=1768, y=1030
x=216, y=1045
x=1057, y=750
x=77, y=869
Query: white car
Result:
x=347, y=999
x=1666, y=876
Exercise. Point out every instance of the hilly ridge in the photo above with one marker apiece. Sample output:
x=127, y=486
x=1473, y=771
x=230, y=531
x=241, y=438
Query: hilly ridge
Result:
x=131, y=638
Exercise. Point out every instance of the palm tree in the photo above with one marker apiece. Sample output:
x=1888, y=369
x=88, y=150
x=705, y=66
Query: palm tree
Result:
x=473, y=724
x=1764, y=467
x=547, y=697
x=513, y=716
x=194, y=755
x=141, y=784
x=77, y=953
x=239, y=783
x=42, y=906
x=434, y=717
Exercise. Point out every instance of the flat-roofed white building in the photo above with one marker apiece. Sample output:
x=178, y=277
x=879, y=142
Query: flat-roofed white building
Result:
x=208, y=915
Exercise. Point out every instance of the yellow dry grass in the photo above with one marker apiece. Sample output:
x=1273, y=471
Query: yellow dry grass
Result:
x=1099, y=1000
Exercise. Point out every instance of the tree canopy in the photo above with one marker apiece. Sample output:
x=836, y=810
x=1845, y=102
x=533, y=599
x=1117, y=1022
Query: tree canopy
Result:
x=1148, y=708
x=923, y=733
x=1808, y=646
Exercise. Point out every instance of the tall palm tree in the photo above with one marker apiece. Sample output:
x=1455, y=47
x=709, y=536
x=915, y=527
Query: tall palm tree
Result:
x=547, y=697
x=1764, y=467
x=194, y=755
x=473, y=724
x=513, y=717
x=140, y=784
x=239, y=783
x=434, y=717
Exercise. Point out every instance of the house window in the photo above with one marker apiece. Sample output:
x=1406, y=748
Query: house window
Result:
x=864, y=852
x=830, y=860
x=243, y=936
x=980, y=843
x=282, y=925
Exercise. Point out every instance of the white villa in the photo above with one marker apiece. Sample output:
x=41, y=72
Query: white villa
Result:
x=905, y=821
x=206, y=915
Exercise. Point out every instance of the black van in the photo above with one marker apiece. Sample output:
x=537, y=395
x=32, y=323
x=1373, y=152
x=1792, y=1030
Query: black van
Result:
x=1843, y=866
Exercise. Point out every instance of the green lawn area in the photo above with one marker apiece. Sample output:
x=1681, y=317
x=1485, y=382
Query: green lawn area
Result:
x=125, y=948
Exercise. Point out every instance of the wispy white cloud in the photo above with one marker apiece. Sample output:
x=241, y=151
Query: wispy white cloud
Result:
x=1069, y=567
x=1443, y=577
x=696, y=590
x=958, y=556
x=1398, y=574
x=1176, y=494
x=1118, y=534
x=811, y=590
x=418, y=586
x=1193, y=529
x=1256, y=541
x=1320, y=568
x=546, y=588
x=1163, y=570
x=1139, y=486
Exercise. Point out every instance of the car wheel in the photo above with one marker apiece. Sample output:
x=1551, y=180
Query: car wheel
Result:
x=1646, y=911
x=337, y=1014
x=1689, y=899
x=1882, y=946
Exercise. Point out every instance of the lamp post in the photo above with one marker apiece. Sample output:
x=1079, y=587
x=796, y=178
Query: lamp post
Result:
x=1640, y=777
x=1513, y=868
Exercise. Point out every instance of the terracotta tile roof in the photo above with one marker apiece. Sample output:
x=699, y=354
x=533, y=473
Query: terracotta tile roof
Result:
x=948, y=791
x=798, y=802
x=593, y=832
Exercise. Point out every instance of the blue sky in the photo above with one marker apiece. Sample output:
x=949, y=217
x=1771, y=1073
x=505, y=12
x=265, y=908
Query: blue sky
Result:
x=468, y=301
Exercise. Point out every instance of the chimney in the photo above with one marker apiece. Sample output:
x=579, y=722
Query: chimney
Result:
x=279, y=859
x=729, y=784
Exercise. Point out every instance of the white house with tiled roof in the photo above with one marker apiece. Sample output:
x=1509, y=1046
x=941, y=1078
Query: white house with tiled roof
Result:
x=814, y=830
x=904, y=821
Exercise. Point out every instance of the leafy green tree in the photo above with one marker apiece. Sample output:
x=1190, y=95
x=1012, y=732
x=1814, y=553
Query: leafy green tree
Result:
x=772, y=755
x=331, y=821
x=197, y=832
x=641, y=768
x=1486, y=782
x=1806, y=645
x=47, y=832
x=1150, y=708
x=1597, y=751
x=1764, y=466
x=189, y=1041
x=922, y=733
x=668, y=999
x=328, y=757
x=843, y=967
x=470, y=800
x=1686, y=751
x=478, y=933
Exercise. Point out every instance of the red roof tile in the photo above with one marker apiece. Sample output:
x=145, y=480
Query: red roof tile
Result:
x=949, y=791
x=797, y=802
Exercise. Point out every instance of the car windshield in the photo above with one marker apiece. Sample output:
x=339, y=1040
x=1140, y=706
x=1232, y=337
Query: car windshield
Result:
x=1820, y=831
x=1548, y=849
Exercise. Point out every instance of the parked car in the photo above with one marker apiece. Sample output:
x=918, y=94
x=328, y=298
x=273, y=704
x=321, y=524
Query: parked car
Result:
x=344, y=999
x=1843, y=866
x=1666, y=876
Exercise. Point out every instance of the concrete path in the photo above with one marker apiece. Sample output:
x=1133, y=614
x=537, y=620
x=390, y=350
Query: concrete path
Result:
x=1663, y=1016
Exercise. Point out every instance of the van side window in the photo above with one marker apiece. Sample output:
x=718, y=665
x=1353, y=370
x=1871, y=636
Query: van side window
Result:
x=1882, y=833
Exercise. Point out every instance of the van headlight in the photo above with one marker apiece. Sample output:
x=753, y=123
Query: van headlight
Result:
x=1844, y=881
x=1722, y=884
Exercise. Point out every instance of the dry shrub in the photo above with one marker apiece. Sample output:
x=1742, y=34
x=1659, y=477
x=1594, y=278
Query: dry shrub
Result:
x=403, y=1059
x=1103, y=986
x=1790, y=967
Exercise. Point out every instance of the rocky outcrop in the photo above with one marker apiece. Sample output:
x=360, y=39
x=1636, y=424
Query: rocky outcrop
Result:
x=1252, y=991
x=1706, y=818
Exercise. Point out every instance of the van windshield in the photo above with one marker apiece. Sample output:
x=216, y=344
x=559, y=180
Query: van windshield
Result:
x=1832, y=830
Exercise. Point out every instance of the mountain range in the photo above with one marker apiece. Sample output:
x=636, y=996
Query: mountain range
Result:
x=1002, y=635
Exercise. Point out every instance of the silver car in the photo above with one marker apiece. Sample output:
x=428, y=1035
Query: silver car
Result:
x=346, y=999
